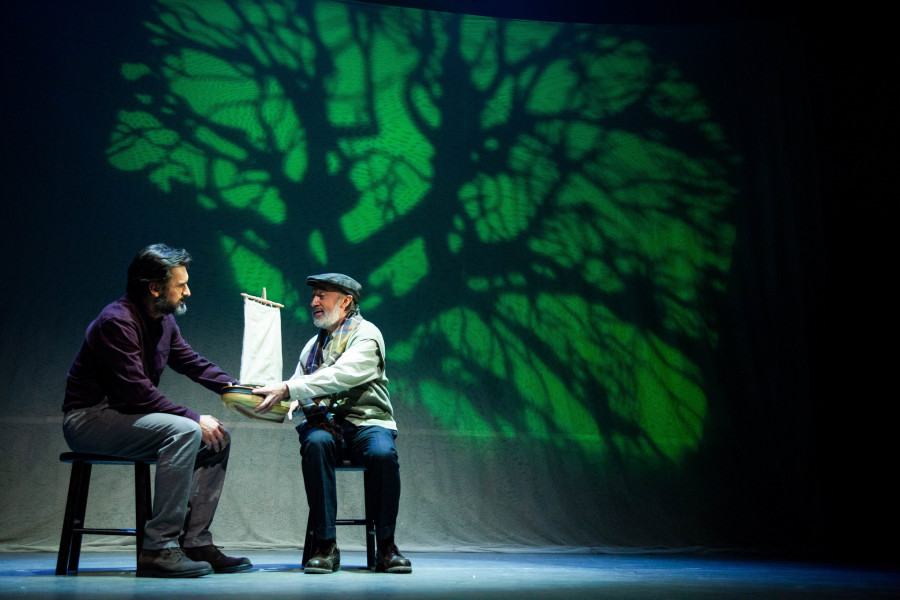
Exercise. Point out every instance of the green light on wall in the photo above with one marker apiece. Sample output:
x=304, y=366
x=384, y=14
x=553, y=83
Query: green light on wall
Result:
x=252, y=273
x=402, y=272
x=556, y=193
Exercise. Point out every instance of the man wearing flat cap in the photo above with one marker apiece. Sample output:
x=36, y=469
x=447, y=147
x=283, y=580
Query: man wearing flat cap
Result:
x=340, y=387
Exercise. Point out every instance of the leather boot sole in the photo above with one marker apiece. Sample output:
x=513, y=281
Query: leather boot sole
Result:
x=314, y=570
x=320, y=570
x=171, y=574
x=381, y=569
x=235, y=568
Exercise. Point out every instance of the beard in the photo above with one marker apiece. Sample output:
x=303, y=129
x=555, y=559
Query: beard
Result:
x=170, y=308
x=329, y=319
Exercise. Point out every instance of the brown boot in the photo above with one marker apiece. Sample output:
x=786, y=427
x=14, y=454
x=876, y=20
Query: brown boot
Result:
x=219, y=562
x=389, y=560
x=325, y=559
x=170, y=562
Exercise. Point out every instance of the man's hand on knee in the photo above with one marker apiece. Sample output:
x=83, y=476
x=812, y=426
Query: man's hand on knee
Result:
x=215, y=436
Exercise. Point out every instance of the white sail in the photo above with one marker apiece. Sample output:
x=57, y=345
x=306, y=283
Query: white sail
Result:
x=261, y=355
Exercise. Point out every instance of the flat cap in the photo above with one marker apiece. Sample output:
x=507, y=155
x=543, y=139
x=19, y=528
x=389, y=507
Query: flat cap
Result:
x=340, y=281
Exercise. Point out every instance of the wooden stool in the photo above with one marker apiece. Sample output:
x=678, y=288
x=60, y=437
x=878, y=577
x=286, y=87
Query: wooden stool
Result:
x=76, y=505
x=368, y=521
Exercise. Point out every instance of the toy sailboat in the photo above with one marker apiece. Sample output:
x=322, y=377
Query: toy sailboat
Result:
x=260, y=359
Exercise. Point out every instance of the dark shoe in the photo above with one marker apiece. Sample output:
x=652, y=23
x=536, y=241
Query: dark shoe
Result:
x=326, y=558
x=219, y=562
x=170, y=562
x=389, y=560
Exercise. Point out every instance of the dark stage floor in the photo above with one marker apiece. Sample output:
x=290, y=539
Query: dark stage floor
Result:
x=461, y=575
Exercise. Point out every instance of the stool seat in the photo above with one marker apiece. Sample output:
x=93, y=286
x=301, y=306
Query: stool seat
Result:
x=76, y=505
x=368, y=521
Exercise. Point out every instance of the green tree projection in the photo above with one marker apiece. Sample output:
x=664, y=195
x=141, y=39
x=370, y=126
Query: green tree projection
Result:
x=537, y=211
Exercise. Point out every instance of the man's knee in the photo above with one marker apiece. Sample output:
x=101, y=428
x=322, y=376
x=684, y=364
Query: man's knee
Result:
x=381, y=454
x=183, y=438
x=382, y=458
x=317, y=444
x=190, y=429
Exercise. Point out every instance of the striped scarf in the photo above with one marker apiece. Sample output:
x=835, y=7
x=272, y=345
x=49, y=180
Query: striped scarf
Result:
x=328, y=348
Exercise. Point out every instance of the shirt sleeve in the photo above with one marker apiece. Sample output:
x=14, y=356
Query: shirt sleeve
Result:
x=359, y=364
x=185, y=360
x=128, y=384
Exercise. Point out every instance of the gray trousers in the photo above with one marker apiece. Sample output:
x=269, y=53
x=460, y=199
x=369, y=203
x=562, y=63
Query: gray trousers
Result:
x=189, y=477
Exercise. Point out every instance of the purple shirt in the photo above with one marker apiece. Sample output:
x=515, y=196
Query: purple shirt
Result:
x=122, y=357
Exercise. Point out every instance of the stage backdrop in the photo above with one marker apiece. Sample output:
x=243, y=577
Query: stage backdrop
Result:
x=591, y=249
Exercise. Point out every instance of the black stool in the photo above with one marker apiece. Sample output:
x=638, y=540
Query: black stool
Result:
x=76, y=505
x=368, y=521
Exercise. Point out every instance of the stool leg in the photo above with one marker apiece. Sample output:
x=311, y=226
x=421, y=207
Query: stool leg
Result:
x=81, y=509
x=370, y=525
x=65, y=540
x=370, y=543
x=76, y=506
x=143, y=503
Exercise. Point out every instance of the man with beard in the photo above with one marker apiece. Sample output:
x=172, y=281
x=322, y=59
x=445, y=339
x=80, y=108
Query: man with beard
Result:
x=113, y=406
x=341, y=388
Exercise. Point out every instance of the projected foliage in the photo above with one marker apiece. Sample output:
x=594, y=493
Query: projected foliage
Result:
x=536, y=210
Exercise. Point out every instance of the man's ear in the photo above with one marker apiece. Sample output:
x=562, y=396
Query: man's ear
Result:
x=155, y=289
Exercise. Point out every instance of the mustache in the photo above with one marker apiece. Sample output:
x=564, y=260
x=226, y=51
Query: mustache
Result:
x=171, y=308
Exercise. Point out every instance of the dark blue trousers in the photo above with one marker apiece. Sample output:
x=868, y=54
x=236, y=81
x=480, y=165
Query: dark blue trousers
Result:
x=373, y=447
